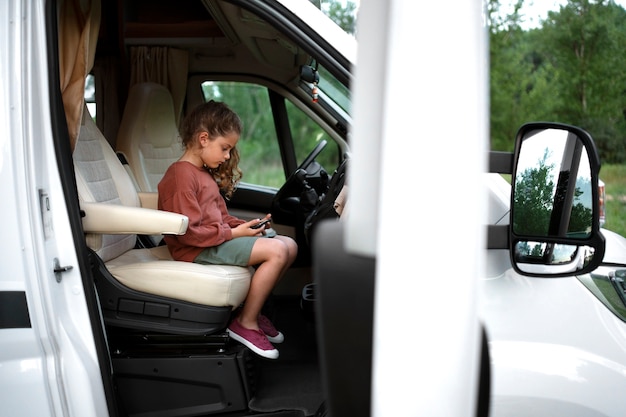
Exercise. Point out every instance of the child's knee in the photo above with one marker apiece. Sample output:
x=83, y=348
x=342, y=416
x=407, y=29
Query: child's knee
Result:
x=291, y=244
x=290, y=250
x=292, y=247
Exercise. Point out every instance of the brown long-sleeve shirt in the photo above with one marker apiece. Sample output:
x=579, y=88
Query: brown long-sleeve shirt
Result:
x=189, y=190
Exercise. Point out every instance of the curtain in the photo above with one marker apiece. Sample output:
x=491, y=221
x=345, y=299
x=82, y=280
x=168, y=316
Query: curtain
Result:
x=162, y=65
x=79, y=24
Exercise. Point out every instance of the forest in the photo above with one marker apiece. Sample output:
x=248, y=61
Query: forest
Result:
x=570, y=69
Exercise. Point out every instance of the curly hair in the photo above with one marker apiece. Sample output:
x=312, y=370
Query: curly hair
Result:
x=217, y=119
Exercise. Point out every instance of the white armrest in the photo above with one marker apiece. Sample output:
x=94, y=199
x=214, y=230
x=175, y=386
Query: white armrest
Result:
x=149, y=200
x=115, y=219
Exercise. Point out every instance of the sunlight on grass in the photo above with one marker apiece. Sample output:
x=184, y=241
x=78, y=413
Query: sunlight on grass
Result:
x=614, y=177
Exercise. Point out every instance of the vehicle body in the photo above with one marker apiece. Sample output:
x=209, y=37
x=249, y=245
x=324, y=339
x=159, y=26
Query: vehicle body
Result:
x=557, y=345
x=550, y=337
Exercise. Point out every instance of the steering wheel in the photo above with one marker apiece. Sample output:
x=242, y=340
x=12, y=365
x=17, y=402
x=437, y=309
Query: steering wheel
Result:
x=286, y=199
x=311, y=156
x=326, y=206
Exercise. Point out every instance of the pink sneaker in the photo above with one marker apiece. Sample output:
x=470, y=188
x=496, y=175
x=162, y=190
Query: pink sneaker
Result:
x=255, y=340
x=270, y=331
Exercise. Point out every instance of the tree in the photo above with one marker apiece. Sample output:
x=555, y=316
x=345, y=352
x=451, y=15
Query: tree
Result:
x=342, y=13
x=519, y=76
x=570, y=70
x=585, y=41
x=534, y=196
x=533, y=199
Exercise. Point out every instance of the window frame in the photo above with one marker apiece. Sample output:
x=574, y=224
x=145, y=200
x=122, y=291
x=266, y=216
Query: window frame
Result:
x=278, y=95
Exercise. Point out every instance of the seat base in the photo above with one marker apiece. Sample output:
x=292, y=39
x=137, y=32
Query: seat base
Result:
x=126, y=342
x=183, y=382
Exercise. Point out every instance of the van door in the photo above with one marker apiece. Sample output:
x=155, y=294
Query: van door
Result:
x=47, y=348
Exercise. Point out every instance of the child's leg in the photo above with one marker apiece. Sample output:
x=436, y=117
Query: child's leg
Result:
x=273, y=256
x=292, y=248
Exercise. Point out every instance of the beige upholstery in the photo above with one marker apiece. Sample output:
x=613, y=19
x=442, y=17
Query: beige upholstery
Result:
x=215, y=285
x=148, y=135
x=112, y=218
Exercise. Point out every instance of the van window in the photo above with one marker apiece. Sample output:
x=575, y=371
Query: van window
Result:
x=307, y=134
x=258, y=146
x=261, y=161
x=90, y=95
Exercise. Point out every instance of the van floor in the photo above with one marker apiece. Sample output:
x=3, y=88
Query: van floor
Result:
x=289, y=386
x=293, y=381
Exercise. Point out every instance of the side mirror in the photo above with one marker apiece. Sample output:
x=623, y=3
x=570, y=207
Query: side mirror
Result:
x=555, y=225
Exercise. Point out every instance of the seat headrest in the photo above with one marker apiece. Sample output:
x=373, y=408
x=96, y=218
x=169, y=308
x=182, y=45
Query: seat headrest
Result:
x=150, y=107
x=148, y=135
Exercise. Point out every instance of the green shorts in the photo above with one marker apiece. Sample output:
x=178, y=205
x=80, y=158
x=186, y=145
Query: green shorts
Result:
x=232, y=252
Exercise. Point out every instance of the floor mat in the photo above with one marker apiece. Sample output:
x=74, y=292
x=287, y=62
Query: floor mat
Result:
x=288, y=387
x=292, y=413
x=292, y=382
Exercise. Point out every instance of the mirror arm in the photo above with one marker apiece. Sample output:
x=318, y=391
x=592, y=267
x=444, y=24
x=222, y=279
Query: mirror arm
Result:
x=501, y=162
x=498, y=236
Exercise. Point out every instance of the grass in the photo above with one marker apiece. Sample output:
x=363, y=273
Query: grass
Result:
x=614, y=177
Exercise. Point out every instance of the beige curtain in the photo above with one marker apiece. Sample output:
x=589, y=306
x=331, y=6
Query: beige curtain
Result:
x=79, y=24
x=162, y=65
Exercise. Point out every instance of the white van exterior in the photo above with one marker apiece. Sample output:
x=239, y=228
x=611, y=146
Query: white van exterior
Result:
x=48, y=356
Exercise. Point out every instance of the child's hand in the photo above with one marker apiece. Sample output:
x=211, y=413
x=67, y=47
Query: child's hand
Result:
x=252, y=227
x=263, y=223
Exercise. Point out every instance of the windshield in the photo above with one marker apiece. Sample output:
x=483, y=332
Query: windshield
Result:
x=333, y=89
x=330, y=91
x=344, y=14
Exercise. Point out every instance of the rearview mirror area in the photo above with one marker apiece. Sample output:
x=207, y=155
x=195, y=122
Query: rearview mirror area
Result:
x=555, y=214
x=551, y=258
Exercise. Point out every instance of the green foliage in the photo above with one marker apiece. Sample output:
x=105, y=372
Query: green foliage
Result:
x=258, y=146
x=534, y=198
x=534, y=194
x=580, y=220
x=569, y=70
x=342, y=13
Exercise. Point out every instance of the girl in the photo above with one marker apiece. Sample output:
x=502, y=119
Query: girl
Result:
x=191, y=186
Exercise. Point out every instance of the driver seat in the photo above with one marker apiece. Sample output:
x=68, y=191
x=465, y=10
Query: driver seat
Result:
x=145, y=289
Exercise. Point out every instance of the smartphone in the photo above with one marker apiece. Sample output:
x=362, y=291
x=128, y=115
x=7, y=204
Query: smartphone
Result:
x=261, y=224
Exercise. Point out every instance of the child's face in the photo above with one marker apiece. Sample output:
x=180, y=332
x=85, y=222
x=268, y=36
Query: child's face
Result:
x=217, y=151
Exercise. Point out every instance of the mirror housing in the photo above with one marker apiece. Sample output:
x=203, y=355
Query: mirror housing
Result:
x=555, y=209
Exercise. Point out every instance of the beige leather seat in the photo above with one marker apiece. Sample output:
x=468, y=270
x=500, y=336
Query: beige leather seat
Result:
x=148, y=135
x=145, y=288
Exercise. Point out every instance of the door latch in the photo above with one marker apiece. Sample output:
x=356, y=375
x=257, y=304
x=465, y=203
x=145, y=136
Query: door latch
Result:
x=58, y=269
